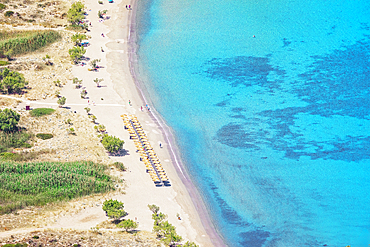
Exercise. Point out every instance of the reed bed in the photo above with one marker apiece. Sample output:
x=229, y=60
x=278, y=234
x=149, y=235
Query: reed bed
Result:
x=26, y=41
x=38, y=183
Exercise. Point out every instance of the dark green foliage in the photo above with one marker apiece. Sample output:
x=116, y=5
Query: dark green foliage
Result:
x=76, y=13
x=154, y=208
x=44, y=136
x=2, y=63
x=38, y=112
x=26, y=184
x=35, y=237
x=114, y=209
x=120, y=166
x=24, y=42
x=18, y=139
x=9, y=120
x=112, y=144
x=9, y=13
x=11, y=81
x=2, y=6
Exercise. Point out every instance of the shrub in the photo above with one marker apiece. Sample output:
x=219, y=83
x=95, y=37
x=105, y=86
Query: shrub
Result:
x=128, y=225
x=76, y=53
x=114, y=209
x=11, y=81
x=8, y=13
x=62, y=101
x=120, y=166
x=16, y=245
x=2, y=6
x=76, y=13
x=77, y=38
x=2, y=63
x=44, y=136
x=9, y=120
x=112, y=144
x=101, y=13
x=38, y=112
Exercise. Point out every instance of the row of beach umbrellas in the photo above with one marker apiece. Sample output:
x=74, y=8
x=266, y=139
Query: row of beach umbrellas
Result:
x=147, y=154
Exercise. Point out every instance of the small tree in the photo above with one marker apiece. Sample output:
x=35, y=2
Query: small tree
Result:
x=75, y=14
x=128, y=225
x=76, y=53
x=77, y=82
x=153, y=208
x=97, y=81
x=158, y=218
x=83, y=94
x=8, y=120
x=190, y=244
x=62, y=101
x=57, y=94
x=114, y=209
x=99, y=128
x=101, y=13
x=94, y=63
x=77, y=38
x=112, y=144
x=172, y=238
x=93, y=118
x=87, y=109
x=9, y=54
x=57, y=83
x=164, y=229
x=11, y=81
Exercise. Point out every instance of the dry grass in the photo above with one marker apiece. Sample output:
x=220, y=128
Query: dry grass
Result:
x=35, y=13
x=99, y=238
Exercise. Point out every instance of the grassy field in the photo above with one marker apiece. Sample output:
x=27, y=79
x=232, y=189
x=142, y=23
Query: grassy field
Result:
x=21, y=42
x=38, y=183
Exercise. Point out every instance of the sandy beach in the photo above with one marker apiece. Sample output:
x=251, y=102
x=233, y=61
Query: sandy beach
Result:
x=111, y=100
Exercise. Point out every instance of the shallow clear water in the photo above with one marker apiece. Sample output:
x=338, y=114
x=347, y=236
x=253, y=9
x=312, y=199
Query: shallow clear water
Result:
x=274, y=129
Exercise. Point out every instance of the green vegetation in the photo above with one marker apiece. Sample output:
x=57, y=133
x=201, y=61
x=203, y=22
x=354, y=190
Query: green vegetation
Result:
x=77, y=38
x=111, y=143
x=114, y=209
x=8, y=13
x=2, y=63
x=38, y=112
x=76, y=13
x=44, y=136
x=11, y=81
x=94, y=64
x=99, y=128
x=62, y=101
x=76, y=53
x=18, y=139
x=9, y=120
x=18, y=42
x=190, y=244
x=128, y=225
x=97, y=81
x=101, y=13
x=120, y=166
x=15, y=245
x=39, y=183
x=165, y=231
x=2, y=6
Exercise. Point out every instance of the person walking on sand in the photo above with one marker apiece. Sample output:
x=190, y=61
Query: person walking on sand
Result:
x=141, y=109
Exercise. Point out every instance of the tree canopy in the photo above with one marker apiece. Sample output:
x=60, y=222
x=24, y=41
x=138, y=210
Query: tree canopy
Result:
x=76, y=13
x=128, y=225
x=114, y=209
x=76, y=53
x=77, y=38
x=112, y=144
x=11, y=81
x=9, y=120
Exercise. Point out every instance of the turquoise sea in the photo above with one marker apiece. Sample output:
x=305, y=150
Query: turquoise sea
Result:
x=270, y=104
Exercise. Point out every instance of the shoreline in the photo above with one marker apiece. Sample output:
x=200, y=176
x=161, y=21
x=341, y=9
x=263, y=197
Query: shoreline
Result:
x=182, y=196
x=174, y=150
